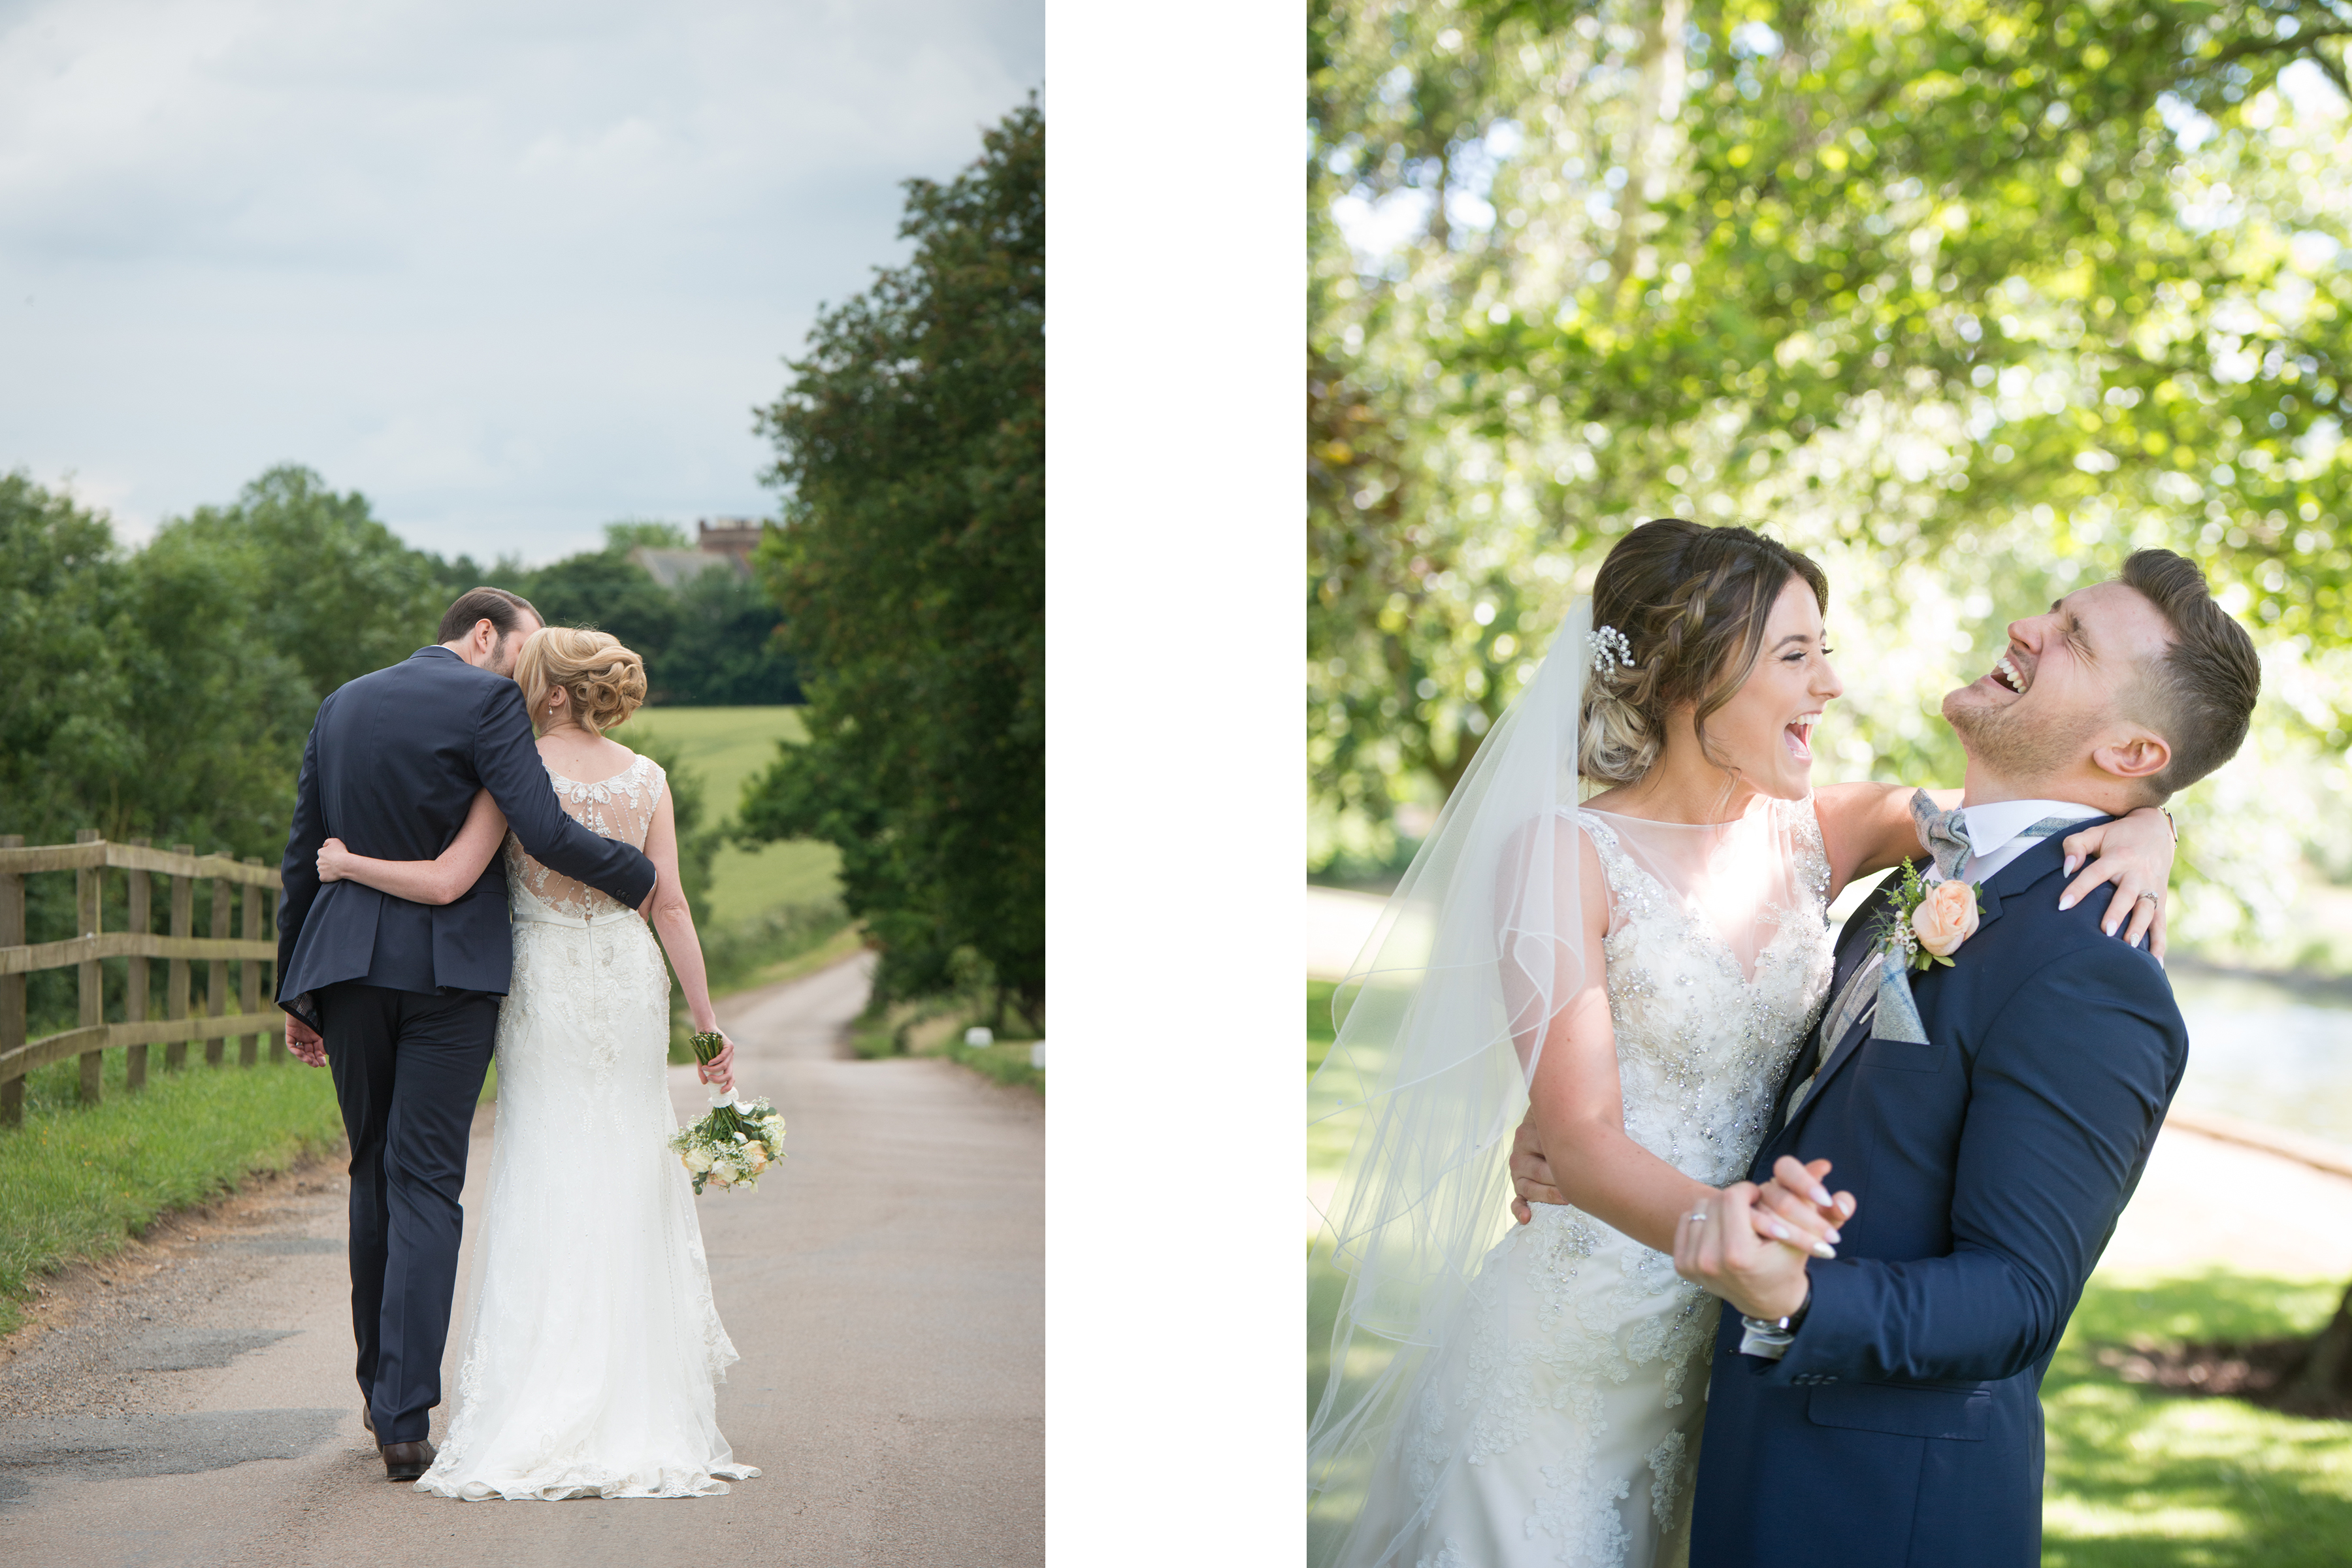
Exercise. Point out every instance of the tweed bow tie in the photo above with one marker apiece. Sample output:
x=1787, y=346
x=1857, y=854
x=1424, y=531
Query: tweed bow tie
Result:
x=1945, y=833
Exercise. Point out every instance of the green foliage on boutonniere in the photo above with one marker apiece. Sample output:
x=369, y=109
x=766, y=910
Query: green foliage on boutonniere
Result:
x=1924, y=942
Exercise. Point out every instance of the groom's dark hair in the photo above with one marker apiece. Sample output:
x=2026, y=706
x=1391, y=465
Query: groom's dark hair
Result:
x=501, y=609
x=2200, y=694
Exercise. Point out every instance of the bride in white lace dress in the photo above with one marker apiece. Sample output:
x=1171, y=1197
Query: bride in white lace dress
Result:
x=593, y=1351
x=1637, y=972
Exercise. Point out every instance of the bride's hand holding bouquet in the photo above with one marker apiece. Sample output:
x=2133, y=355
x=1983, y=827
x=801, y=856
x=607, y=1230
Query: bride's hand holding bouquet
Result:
x=735, y=1144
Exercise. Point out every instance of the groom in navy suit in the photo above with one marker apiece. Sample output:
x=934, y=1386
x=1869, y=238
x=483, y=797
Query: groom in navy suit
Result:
x=1882, y=1408
x=402, y=998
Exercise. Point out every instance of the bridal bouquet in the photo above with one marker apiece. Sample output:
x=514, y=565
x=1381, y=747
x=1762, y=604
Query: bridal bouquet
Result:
x=733, y=1145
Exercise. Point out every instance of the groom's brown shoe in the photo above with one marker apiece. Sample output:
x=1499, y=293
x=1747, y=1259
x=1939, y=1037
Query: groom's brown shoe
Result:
x=406, y=1461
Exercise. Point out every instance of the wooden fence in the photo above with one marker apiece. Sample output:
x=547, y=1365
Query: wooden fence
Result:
x=248, y=883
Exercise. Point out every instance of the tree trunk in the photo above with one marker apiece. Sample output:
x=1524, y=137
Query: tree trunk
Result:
x=2326, y=1376
x=1657, y=104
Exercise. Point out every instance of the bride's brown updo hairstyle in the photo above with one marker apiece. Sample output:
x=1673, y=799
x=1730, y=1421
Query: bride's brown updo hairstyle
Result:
x=1691, y=602
x=605, y=682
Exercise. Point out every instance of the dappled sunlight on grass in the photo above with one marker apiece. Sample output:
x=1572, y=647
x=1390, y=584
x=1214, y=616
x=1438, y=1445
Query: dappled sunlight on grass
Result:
x=2148, y=1478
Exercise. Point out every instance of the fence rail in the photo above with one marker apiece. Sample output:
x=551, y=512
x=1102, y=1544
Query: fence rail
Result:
x=245, y=897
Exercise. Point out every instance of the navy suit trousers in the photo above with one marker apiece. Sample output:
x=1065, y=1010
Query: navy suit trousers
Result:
x=408, y=1069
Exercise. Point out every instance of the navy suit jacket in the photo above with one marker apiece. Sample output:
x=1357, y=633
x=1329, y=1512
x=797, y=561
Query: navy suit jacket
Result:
x=391, y=768
x=1904, y=1426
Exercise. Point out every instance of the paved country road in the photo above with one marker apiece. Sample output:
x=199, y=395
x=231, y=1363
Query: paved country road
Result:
x=192, y=1402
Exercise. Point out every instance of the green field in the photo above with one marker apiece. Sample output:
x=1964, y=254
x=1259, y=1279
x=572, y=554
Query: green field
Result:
x=727, y=746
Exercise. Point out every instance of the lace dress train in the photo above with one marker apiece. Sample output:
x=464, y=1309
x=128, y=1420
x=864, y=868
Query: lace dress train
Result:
x=593, y=1349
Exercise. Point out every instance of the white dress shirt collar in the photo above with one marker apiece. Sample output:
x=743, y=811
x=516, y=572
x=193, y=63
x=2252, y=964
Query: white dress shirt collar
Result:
x=1993, y=831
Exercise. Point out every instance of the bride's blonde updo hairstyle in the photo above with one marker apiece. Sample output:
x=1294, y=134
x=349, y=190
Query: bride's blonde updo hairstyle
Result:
x=1691, y=603
x=604, y=681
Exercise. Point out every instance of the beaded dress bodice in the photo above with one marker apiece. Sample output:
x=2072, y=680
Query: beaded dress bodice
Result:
x=1704, y=1038
x=1559, y=1420
x=621, y=806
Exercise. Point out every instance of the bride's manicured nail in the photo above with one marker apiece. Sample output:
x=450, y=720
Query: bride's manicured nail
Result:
x=2072, y=862
x=1828, y=1235
x=1821, y=1196
x=1781, y=1232
x=2066, y=902
x=1824, y=1249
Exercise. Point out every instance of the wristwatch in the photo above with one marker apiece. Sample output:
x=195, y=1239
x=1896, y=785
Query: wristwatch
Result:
x=1771, y=1336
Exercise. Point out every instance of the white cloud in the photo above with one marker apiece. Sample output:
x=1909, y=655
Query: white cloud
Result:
x=512, y=271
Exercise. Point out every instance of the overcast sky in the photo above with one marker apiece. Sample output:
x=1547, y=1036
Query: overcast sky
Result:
x=511, y=269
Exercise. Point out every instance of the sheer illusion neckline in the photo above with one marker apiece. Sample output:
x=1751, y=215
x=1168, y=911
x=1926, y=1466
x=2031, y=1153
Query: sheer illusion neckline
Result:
x=590, y=783
x=1761, y=803
x=1747, y=972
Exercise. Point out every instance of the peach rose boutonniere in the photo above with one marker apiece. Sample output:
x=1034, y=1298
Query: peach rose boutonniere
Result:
x=1930, y=919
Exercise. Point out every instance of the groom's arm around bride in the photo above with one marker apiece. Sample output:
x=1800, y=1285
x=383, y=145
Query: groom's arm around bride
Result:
x=392, y=764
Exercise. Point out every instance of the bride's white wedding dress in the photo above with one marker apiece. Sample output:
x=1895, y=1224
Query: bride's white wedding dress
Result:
x=1558, y=1422
x=593, y=1349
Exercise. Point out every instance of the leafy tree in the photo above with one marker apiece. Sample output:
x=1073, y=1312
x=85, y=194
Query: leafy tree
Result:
x=606, y=590
x=910, y=571
x=710, y=642
x=1968, y=299
x=219, y=713
x=728, y=651
x=632, y=532
x=65, y=707
x=335, y=590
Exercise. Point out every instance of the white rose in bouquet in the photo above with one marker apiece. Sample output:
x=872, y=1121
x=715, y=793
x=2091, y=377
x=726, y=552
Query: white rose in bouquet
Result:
x=698, y=1160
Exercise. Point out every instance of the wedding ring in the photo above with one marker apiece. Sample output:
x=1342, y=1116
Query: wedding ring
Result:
x=1698, y=1216
x=2150, y=898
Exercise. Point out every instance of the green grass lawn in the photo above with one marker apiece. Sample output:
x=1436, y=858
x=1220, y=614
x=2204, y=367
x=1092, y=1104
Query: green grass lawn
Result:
x=2141, y=1478
x=727, y=746
x=76, y=1181
x=2138, y=1476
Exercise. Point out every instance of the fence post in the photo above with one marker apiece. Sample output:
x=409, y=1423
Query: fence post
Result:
x=91, y=976
x=175, y=976
x=269, y=977
x=248, y=1047
x=216, y=998
x=12, y=987
x=134, y=985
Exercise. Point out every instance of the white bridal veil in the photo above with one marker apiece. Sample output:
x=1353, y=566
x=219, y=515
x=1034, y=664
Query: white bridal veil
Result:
x=1440, y=1020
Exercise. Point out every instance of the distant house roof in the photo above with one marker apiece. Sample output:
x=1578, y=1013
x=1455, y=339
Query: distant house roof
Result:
x=736, y=536
x=721, y=541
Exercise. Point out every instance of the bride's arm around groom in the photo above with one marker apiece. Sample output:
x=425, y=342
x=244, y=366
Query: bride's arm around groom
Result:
x=393, y=762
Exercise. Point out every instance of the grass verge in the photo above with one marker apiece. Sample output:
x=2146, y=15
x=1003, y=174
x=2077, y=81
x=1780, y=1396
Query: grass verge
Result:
x=76, y=1181
x=935, y=1027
